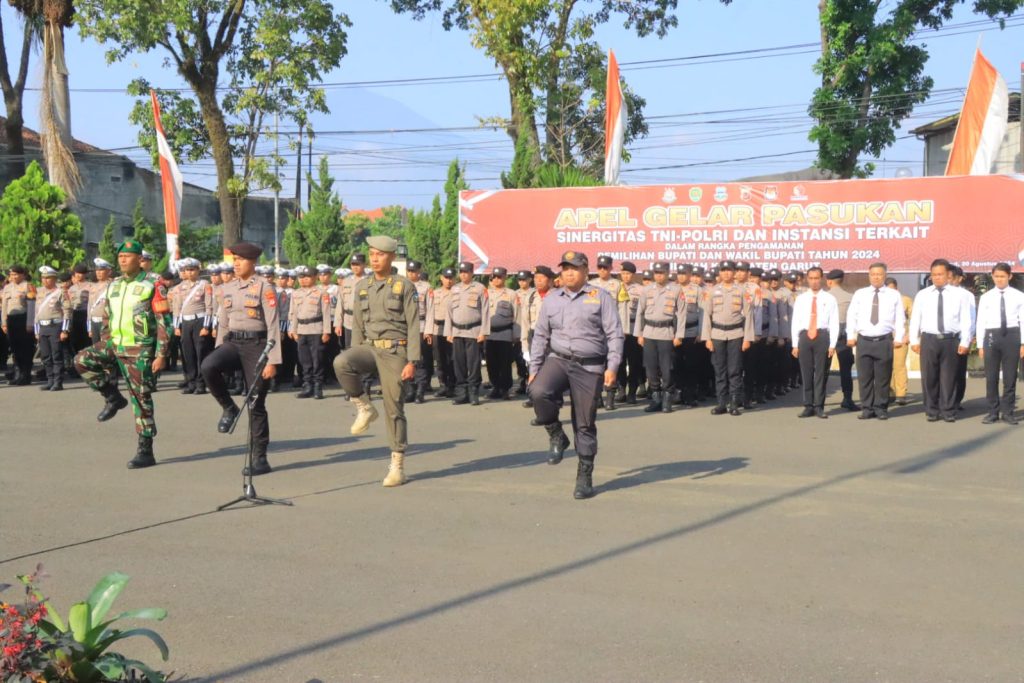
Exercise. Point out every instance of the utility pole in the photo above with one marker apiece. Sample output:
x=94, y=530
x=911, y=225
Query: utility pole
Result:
x=298, y=179
x=277, y=193
x=309, y=186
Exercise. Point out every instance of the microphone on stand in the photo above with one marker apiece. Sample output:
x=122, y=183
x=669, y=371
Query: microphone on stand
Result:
x=266, y=354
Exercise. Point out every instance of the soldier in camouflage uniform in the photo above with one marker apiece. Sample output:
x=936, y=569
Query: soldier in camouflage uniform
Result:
x=134, y=344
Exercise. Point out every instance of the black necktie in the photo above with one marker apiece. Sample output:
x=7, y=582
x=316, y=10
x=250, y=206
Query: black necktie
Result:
x=942, y=321
x=1002, y=311
x=874, y=308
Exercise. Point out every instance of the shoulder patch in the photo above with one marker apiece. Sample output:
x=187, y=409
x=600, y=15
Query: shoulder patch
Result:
x=271, y=298
x=397, y=287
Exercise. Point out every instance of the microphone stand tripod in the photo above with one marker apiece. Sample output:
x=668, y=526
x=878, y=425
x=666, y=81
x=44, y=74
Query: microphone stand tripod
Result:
x=249, y=494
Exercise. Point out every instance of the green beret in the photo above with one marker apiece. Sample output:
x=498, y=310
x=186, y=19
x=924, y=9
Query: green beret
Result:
x=383, y=243
x=130, y=246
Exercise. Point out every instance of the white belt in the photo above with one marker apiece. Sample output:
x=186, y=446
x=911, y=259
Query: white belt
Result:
x=97, y=320
x=189, y=318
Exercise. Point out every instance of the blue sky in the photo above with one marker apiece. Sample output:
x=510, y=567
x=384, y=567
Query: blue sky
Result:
x=385, y=46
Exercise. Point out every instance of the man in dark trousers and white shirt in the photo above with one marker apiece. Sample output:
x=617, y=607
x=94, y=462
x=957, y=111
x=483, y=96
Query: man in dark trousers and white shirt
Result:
x=1000, y=315
x=874, y=318
x=815, y=326
x=940, y=331
x=834, y=280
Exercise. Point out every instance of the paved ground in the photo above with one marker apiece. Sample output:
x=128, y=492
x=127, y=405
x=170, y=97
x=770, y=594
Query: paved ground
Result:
x=759, y=548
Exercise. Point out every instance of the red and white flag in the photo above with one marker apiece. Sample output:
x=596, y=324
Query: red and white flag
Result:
x=614, y=123
x=170, y=179
x=982, y=125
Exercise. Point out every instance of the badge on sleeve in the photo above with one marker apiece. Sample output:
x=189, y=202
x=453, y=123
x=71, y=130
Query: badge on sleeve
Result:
x=271, y=298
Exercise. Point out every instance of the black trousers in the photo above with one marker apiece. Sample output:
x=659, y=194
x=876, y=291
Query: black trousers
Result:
x=874, y=371
x=658, y=356
x=939, y=363
x=1002, y=351
x=330, y=351
x=311, y=358
x=5, y=350
x=289, y=359
x=844, y=354
x=79, y=330
x=425, y=366
x=960, y=379
x=691, y=370
x=753, y=370
x=499, y=364
x=444, y=368
x=706, y=377
x=814, y=361
x=22, y=341
x=631, y=369
x=51, y=352
x=234, y=355
x=554, y=377
x=522, y=368
x=194, y=349
x=466, y=360
x=727, y=359
x=173, y=352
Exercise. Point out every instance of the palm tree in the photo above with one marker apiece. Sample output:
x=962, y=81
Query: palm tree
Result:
x=55, y=117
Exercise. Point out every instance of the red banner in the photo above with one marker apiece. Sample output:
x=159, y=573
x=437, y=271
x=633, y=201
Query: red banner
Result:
x=974, y=221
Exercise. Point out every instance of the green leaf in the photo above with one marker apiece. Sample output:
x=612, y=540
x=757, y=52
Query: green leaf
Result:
x=112, y=666
x=151, y=675
x=104, y=594
x=143, y=632
x=79, y=619
x=155, y=613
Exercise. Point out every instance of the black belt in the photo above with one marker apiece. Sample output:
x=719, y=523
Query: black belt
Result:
x=727, y=328
x=691, y=326
x=883, y=337
x=460, y=326
x=659, y=323
x=310, y=321
x=632, y=320
x=945, y=336
x=247, y=336
x=439, y=322
x=347, y=311
x=581, y=360
x=501, y=328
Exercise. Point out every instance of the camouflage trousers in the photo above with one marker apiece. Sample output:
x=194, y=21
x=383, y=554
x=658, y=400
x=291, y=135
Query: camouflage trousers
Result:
x=100, y=364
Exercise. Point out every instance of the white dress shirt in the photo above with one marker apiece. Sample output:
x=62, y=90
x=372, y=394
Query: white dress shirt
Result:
x=972, y=303
x=828, y=315
x=891, y=317
x=956, y=314
x=988, y=311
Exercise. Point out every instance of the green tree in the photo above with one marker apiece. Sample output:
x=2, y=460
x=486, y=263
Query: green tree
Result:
x=36, y=227
x=392, y=223
x=523, y=172
x=872, y=76
x=14, y=92
x=272, y=53
x=423, y=237
x=448, y=232
x=205, y=244
x=319, y=234
x=107, y=246
x=552, y=64
x=359, y=227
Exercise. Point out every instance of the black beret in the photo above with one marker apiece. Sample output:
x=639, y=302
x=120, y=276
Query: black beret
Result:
x=835, y=274
x=544, y=270
x=247, y=250
x=604, y=261
x=81, y=268
x=65, y=276
x=628, y=266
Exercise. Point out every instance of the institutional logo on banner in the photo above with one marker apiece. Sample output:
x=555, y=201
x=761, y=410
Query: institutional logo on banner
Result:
x=746, y=194
x=695, y=194
x=721, y=194
x=799, y=193
x=771, y=193
x=669, y=196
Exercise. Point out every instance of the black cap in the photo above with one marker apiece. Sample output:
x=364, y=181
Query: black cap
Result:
x=774, y=274
x=544, y=270
x=358, y=259
x=499, y=273
x=448, y=272
x=18, y=268
x=65, y=276
x=660, y=267
x=575, y=258
x=648, y=275
x=726, y=265
x=81, y=268
x=628, y=266
x=465, y=267
x=792, y=276
x=757, y=272
x=698, y=271
x=684, y=269
x=709, y=276
x=247, y=250
x=715, y=271
x=524, y=275
x=743, y=265
x=414, y=266
x=604, y=261
x=835, y=274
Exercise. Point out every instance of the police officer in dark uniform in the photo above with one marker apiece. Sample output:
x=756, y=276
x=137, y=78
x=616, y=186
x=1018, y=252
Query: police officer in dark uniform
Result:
x=577, y=345
x=248, y=320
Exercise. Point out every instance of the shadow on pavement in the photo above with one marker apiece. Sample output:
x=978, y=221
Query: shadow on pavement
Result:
x=375, y=453
x=698, y=469
x=495, y=462
x=275, y=447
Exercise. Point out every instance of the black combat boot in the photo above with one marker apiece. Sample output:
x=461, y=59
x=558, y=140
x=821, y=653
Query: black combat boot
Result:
x=226, y=418
x=182, y=384
x=114, y=402
x=259, y=465
x=666, y=401
x=557, y=442
x=631, y=397
x=307, y=391
x=49, y=382
x=409, y=391
x=144, y=454
x=653, y=402
x=318, y=390
x=461, y=396
x=474, y=395
x=719, y=410
x=58, y=384
x=421, y=394
x=609, y=399
x=584, y=479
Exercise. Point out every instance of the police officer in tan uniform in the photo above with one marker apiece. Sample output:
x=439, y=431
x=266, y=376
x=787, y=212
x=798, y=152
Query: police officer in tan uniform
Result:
x=309, y=326
x=247, y=320
x=503, y=311
x=529, y=313
x=466, y=325
x=385, y=340
x=659, y=328
x=524, y=280
x=79, y=294
x=416, y=389
x=18, y=301
x=52, y=325
x=96, y=308
x=727, y=332
x=437, y=308
x=617, y=290
x=192, y=307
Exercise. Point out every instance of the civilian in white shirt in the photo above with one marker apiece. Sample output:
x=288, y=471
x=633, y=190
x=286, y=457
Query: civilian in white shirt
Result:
x=874, y=318
x=956, y=275
x=1000, y=312
x=815, y=325
x=940, y=331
